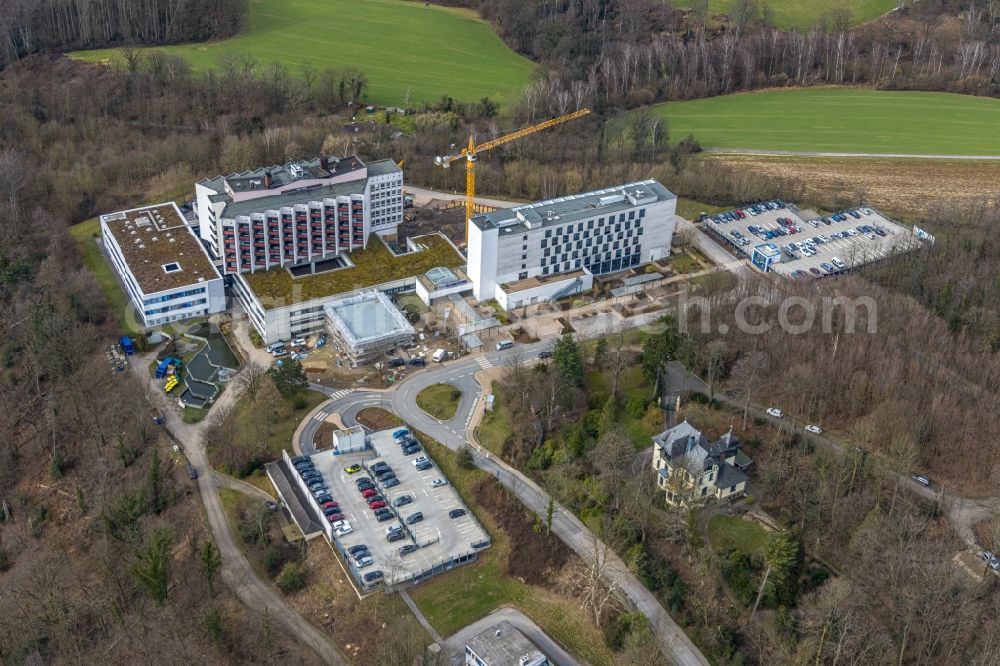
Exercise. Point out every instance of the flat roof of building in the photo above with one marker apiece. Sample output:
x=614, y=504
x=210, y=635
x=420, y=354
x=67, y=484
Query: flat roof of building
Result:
x=382, y=167
x=292, y=197
x=285, y=174
x=574, y=207
x=159, y=247
x=503, y=644
x=372, y=266
x=539, y=280
x=367, y=317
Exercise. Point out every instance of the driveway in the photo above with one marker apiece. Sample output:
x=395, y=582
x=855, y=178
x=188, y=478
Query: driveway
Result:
x=236, y=572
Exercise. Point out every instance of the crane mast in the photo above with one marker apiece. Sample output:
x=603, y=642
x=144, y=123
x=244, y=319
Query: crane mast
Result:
x=471, y=152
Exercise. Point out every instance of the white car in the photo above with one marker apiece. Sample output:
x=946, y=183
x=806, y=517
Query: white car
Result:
x=775, y=412
x=420, y=460
x=437, y=483
x=814, y=429
x=340, y=523
x=344, y=531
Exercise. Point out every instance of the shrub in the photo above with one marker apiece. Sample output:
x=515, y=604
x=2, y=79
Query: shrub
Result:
x=292, y=578
x=636, y=407
x=273, y=560
x=464, y=457
x=299, y=403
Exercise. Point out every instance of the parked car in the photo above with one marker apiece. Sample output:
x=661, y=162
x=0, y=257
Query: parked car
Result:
x=393, y=528
x=325, y=497
x=424, y=466
x=775, y=412
x=402, y=432
x=335, y=517
x=379, y=466
x=330, y=504
x=397, y=363
x=410, y=450
x=377, y=504
x=395, y=536
x=421, y=459
x=922, y=480
x=344, y=531
x=369, y=493
x=353, y=469
x=362, y=480
x=437, y=483
x=365, y=561
x=391, y=482
x=414, y=518
x=418, y=362
x=373, y=576
x=382, y=517
x=354, y=550
x=407, y=549
x=545, y=354
x=814, y=429
x=330, y=510
x=991, y=560
x=456, y=513
x=366, y=486
x=402, y=500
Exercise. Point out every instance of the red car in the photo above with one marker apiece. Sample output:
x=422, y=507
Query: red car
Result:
x=334, y=517
x=368, y=493
x=377, y=504
x=327, y=505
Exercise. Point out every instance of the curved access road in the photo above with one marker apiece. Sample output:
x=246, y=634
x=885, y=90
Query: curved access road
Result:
x=236, y=572
x=401, y=399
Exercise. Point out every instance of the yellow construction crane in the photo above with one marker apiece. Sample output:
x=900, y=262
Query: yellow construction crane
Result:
x=470, y=153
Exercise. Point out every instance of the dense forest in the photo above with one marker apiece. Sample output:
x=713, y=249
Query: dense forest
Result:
x=634, y=52
x=30, y=26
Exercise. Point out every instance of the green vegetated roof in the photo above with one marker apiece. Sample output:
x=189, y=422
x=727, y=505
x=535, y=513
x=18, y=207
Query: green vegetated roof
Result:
x=373, y=266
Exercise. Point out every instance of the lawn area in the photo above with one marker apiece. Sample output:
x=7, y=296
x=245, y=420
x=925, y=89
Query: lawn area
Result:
x=684, y=263
x=86, y=234
x=373, y=265
x=440, y=401
x=799, y=14
x=464, y=595
x=408, y=51
x=732, y=532
x=690, y=209
x=494, y=429
x=193, y=414
x=841, y=120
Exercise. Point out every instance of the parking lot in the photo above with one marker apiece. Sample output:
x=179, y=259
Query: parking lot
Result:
x=441, y=542
x=781, y=238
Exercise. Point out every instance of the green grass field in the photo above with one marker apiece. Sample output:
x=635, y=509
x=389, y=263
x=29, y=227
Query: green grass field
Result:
x=402, y=47
x=729, y=532
x=799, y=14
x=841, y=120
x=440, y=401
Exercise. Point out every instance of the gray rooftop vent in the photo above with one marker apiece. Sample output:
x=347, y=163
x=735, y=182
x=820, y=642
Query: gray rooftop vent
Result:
x=612, y=199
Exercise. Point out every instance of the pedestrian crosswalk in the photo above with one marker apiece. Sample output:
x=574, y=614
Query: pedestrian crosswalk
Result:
x=337, y=395
x=484, y=363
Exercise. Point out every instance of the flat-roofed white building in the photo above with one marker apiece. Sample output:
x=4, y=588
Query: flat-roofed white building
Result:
x=551, y=249
x=367, y=324
x=162, y=265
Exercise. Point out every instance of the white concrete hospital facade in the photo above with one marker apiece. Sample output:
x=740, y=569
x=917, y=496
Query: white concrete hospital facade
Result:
x=551, y=249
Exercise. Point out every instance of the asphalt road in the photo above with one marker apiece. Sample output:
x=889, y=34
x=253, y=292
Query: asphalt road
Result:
x=674, y=643
x=236, y=572
x=921, y=156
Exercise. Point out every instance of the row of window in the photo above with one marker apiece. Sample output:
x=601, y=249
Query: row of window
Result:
x=174, y=296
x=599, y=223
x=177, y=306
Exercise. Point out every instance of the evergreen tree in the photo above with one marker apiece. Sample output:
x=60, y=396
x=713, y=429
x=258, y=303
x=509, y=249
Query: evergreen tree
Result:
x=568, y=358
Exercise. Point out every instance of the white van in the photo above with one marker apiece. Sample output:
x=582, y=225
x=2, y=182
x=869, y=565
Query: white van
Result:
x=839, y=263
x=504, y=344
x=439, y=356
